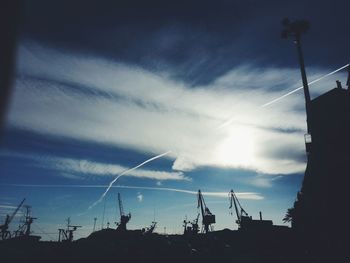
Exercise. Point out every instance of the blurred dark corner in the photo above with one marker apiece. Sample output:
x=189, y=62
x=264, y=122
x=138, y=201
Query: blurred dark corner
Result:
x=11, y=12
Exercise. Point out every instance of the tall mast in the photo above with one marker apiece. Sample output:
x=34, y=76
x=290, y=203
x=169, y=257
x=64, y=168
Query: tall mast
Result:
x=295, y=29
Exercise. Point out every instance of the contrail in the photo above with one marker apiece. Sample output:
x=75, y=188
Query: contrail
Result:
x=243, y=195
x=310, y=83
x=228, y=122
x=126, y=171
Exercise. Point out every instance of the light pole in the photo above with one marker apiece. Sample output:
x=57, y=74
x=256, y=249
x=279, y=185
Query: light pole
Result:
x=295, y=29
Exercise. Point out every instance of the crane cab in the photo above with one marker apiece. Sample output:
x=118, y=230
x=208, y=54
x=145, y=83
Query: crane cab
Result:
x=208, y=218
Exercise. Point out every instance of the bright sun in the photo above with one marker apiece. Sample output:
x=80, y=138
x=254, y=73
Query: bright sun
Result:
x=237, y=149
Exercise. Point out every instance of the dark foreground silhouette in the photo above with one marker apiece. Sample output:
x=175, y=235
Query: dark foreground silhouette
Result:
x=109, y=245
x=316, y=216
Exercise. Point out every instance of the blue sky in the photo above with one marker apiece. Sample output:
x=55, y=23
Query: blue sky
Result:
x=100, y=88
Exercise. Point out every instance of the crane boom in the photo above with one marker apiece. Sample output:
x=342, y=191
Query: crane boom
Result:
x=15, y=212
x=4, y=233
x=233, y=200
x=242, y=215
x=236, y=203
x=201, y=203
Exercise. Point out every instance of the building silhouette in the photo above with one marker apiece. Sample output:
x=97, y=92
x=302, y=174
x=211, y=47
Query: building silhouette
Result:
x=318, y=215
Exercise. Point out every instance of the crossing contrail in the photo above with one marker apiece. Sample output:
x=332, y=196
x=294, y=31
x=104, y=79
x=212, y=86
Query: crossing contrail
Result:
x=126, y=171
x=229, y=121
x=310, y=83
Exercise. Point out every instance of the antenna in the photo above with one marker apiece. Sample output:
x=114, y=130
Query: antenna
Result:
x=66, y=235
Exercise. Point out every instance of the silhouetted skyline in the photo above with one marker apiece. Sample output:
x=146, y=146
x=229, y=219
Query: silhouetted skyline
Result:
x=102, y=87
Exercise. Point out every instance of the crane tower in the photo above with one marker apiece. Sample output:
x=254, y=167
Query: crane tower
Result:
x=207, y=217
x=124, y=219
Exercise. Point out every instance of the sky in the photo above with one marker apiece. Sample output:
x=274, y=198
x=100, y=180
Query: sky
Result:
x=103, y=86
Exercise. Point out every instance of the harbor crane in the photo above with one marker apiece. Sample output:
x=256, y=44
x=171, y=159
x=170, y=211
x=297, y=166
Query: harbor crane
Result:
x=4, y=233
x=124, y=219
x=244, y=221
x=242, y=215
x=66, y=235
x=25, y=228
x=191, y=228
x=207, y=217
x=149, y=230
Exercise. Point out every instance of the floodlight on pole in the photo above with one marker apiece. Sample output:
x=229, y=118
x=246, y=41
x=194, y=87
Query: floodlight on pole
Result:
x=295, y=29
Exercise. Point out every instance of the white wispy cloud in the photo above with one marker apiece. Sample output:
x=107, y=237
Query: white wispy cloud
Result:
x=223, y=194
x=102, y=169
x=89, y=98
x=6, y=209
x=79, y=169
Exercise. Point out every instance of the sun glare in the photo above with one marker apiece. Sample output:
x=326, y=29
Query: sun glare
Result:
x=237, y=149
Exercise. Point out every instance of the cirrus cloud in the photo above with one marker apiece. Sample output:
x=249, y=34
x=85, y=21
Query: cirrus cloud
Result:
x=89, y=98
